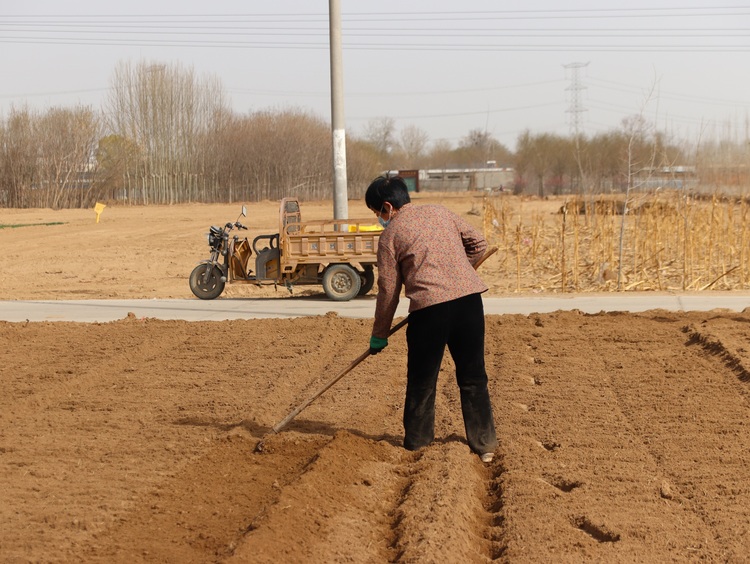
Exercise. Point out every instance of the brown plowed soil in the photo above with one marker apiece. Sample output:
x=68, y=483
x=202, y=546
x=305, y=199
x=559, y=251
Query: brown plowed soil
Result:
x=623, y=437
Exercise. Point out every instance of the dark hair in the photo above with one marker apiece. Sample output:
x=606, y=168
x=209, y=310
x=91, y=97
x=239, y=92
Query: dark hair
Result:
x=391, y=189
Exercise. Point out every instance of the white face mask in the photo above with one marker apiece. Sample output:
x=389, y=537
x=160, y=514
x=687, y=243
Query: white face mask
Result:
x=382, y=221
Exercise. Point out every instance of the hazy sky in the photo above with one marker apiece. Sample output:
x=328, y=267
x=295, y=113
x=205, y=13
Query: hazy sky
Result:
x=446, y=67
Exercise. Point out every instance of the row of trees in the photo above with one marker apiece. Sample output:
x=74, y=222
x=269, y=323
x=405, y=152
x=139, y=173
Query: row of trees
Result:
x=168, y=136
x=605, y=162
x=46, y=157
x=164, y=136
x=411, y=148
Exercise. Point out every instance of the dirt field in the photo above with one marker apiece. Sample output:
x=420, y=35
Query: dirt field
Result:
x=623, y=437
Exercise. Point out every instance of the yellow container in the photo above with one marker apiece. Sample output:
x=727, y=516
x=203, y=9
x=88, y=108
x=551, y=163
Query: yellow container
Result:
x=353, y=228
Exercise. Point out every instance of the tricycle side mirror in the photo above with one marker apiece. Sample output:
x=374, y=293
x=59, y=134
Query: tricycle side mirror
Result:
x=244, y=211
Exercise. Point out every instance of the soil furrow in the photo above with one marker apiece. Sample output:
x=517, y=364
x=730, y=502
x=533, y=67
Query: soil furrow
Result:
x=493, y=505
x=202, y=512
x=687, y=424
x=341, y=509
x=443, y=511
x=578, y=481
x=735, y=356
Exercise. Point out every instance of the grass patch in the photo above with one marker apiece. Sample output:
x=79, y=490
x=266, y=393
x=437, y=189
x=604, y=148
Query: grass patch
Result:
x=14, y=225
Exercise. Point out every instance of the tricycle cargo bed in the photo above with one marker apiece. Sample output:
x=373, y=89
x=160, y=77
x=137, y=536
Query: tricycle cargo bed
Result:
x=329, y=241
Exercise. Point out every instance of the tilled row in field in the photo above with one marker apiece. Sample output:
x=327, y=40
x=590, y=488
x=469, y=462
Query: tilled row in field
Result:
x=622, y=438
x=629, y=438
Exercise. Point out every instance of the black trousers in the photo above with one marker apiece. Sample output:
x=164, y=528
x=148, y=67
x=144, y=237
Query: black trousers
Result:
x=460, y=325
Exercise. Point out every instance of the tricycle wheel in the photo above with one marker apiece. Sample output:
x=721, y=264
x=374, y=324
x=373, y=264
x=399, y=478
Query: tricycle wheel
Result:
x=368, y=281
x=206, y=282
x=341, y=282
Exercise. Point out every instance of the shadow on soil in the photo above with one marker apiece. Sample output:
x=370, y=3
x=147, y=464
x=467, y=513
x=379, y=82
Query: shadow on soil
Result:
x=304, y=426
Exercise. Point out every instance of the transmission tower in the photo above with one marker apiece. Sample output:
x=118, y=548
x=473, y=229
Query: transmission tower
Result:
x=575, y=107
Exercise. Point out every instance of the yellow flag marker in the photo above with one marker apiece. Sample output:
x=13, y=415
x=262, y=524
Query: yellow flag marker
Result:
x=98, y=208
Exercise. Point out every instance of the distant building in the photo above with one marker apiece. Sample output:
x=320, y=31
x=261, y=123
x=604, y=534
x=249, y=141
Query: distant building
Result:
x=667, y=177
x=458, y=179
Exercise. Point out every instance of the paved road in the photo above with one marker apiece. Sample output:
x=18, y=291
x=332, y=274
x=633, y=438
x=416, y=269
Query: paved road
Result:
x=237, y=308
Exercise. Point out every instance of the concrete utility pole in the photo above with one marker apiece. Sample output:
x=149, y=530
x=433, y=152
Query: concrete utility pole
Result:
x=340, y=199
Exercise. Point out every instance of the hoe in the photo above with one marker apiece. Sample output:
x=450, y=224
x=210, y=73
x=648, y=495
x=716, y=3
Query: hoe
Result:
x=297, y=410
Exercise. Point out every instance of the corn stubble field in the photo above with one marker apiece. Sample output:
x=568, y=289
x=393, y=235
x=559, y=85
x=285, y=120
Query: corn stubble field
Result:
x=670, y=242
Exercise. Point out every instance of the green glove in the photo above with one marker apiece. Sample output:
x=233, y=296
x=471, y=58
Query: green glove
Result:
x=377, y=344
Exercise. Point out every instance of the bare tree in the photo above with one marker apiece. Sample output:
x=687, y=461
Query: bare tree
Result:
x=47, y=158
x=381, y=133
x=167, y=113
x=478, y=147
x=412, y=145
x=113, y=156
x=441, y=154
x=535, y=156
x=66, y=142
x=641, y=156
x=271, y=154
x=18, y=168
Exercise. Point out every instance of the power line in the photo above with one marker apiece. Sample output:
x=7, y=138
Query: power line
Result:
x=472, y=113
x=619, y=87
x=56, y=93
x=283, y=31
x=390, y=32
x=512, y=48
x=400, y=93
x=684, y=11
